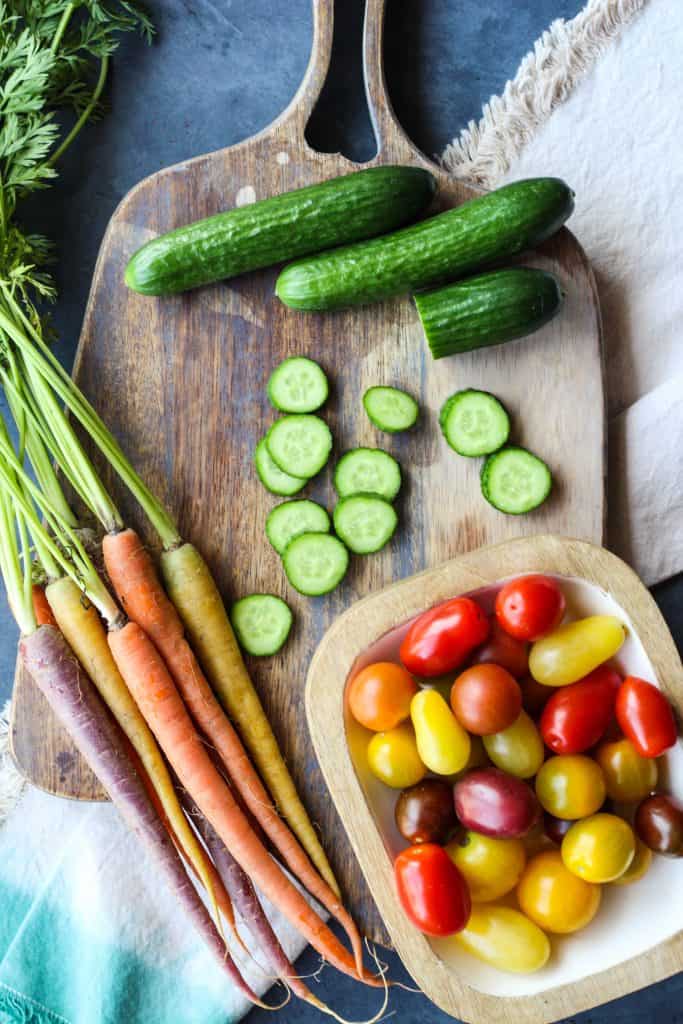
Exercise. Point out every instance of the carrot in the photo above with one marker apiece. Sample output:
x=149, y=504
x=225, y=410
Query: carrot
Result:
x=194, y=593
x=73, y=698
x=135, y=580
x=150, y=682
x=41, y=607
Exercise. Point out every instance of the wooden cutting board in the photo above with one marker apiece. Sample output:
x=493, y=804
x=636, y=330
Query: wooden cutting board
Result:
x=182, y=383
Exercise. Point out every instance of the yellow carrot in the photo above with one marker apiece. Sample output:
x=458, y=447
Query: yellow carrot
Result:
x=192, y=589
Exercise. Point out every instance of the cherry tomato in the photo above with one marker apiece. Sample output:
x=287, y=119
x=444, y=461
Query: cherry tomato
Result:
x=556, y=828
x=530, y=606
x=576, y=716
x=442, y=743
x=505, y=939
x=491, y=867
x=645, y=716
x=534, y=696
x=496, y=804
x=599, y=848
x=504, y=650
x=441, y=639
x=575, y=649
x=628, y=776
x=425, y=812
x=393, y=757
x=517, y=749
x=432, y=891
x=570, y=786
x=554, y=898
x=486, y=699
x=380, y=696
x=639, y=866
x=659, y=823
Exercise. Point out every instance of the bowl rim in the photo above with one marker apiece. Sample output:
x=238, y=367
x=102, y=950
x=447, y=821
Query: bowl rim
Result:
x=372, y=617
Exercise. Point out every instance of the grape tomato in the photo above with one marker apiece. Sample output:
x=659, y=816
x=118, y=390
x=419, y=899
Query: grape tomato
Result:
x=517, y=749
x=443, y=745
x=645, y=716
x=490, y=801
x=628, y=776
x=432, y=891
x=599, y=848
x=502, y=649
x=659, y=823
x=441, y=639
x=530, y=606
x=425, y=813
x=504, y=938
x=577, y=715
x=575, y=649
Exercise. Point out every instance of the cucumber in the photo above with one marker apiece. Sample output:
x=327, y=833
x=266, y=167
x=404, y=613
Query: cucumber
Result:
x=367, y=471
x=315, y=563
x=299, y=445
x=474, y=422
x=344, y=209
x=447, y=246
x=261, y=622
x=365, y=522
x=298, y=385
x=272, y=477
x=288, y=520
x=488, y=310
x=515, y=480
x=390, y=409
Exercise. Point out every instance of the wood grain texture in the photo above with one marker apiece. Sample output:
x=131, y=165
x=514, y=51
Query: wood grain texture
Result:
x=370, y=619
x=182, y=383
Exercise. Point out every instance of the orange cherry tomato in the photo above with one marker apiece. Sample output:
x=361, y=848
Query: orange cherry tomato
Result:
x=380, y=696
x=486, y=699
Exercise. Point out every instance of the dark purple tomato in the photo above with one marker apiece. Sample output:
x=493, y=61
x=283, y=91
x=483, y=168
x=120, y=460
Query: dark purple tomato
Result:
x=556, y=828
x=425, y=812
x=490, y=801
x=659, y=823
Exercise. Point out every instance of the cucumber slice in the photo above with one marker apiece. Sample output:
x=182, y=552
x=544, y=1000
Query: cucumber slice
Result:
x=368, y=471
x=298, y=385
x=365, y=522
x=315, y=563
x=390, y=409
x=299, y=445
x=261, y=622
x=515, y=481
x=474, y=422
x=291, y=518
x=272, y=477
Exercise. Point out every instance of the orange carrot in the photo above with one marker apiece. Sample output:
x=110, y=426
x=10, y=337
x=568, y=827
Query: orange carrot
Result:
x=41, y=607
x=135, y=580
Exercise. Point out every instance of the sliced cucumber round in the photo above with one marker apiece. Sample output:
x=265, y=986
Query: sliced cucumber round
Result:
x=515, y=481
x=367, y=471
x=365, y=522
x=291, y=518
x=300, y=445
x=390, y=409
x=474, y=422
x=272, y=477
x=261, y=622
x=315, y=563
x=298, y=385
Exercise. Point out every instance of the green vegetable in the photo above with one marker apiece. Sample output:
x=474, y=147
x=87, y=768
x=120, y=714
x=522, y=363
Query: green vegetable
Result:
x=299, y=445
x=515, y=481
x=367, y=471
x=310, y=219
x=291, y=518
x=447, y=246
x=272, y=477
x=365, y=522
x=261, y=622
x=315, y=563
x=474, y=422
x=487, y=310
x=298, y=385
x=390, y=409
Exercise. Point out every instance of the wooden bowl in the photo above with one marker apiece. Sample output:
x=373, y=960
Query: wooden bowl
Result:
x=636, y=938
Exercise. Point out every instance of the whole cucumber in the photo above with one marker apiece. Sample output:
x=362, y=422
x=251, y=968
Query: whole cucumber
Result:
x=344, y=209
x=488, y=309
x=452, y=244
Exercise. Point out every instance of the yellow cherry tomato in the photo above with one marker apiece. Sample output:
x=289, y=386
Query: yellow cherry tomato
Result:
x=570, y=652
x=629, y=778
x=505, y=939
x=442, y=743
x=638, y=867
x=518, y=749
x=491, y=867
x=553, y=897
x=570, y=786
x=600, y=848
x=393, y=757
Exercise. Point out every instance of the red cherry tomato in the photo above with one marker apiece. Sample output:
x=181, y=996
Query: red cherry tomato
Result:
x=645, y=717
x=442, y=638
x=530, y=606
x=576, y=716
x=432, y=891
x=504, y=650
